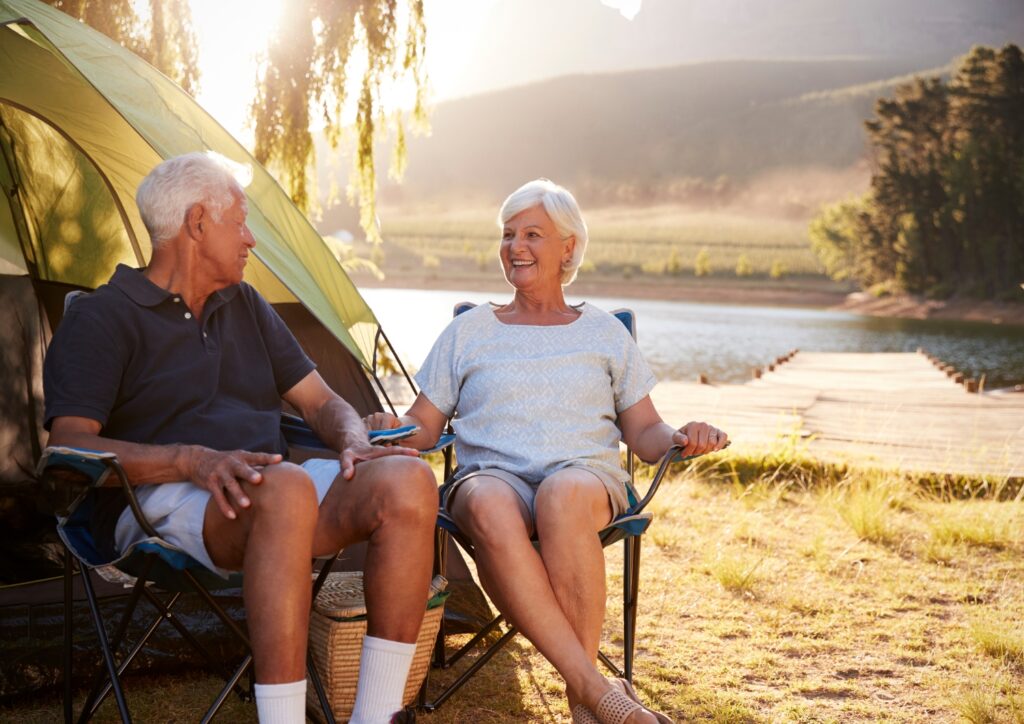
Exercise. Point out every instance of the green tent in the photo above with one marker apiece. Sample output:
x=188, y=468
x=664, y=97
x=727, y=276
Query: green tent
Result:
x=82, y=121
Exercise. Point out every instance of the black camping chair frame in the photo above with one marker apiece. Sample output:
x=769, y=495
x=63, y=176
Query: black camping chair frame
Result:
x=70, y=475
x=628, y=528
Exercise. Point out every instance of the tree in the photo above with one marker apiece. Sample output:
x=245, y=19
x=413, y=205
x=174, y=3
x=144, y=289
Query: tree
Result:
x=945, y=213
x=166, y=41
x=306, y=74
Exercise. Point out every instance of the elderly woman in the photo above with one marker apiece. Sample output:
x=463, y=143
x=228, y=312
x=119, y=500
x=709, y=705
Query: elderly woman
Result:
x=543, y=393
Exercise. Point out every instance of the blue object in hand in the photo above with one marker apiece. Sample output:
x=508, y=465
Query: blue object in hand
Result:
x=380, y=437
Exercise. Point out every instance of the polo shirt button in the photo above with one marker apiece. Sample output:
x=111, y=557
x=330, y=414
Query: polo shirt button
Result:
x=188, y=315
x=205, y=335
x=177, y=299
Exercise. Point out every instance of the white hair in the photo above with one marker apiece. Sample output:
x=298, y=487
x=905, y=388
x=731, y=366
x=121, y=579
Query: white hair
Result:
x=176, y=185
x=561, y=208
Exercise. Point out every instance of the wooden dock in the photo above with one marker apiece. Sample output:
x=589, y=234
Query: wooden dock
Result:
x=893, y=411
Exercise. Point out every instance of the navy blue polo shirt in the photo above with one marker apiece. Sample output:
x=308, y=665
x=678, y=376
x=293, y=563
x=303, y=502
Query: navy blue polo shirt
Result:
x=133, y=357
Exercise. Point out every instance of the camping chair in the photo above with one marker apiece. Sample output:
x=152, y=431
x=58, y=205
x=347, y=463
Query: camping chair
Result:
x=69, y=477
x=628, y=528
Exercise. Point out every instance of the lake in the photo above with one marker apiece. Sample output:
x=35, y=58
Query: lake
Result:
x=681, y=340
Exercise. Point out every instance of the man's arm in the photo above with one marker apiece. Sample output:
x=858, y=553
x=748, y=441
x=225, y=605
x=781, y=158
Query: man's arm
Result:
x=213, y=470
x=336, y=423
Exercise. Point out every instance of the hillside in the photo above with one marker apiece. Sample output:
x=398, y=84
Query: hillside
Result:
x=739, y=119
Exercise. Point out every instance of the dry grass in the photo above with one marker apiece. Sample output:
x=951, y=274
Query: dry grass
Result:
x=796, y=596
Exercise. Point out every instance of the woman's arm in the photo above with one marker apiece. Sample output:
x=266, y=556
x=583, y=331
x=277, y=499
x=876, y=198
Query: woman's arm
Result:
x=650, y=437
x=423, y=414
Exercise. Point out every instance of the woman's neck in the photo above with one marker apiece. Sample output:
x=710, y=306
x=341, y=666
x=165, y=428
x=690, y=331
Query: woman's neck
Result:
x=541, y=310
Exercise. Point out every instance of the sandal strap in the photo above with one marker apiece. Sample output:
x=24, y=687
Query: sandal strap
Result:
x=615, y=707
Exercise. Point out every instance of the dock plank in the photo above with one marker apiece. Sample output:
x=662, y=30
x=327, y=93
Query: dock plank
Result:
x=889, y=410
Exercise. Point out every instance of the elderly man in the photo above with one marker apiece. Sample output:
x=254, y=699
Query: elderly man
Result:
x=180, y=369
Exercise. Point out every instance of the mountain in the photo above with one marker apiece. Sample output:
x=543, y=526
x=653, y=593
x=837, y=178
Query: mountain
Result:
x=738, y=119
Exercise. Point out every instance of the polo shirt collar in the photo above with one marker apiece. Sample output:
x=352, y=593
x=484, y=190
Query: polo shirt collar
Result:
x=145, y=293
x=137, y=288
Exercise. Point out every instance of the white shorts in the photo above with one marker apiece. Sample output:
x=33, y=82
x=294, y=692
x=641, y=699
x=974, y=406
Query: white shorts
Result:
x=177, y=512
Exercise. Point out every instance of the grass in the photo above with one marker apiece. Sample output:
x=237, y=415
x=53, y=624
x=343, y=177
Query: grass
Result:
x=764, y=598
x=625, y=242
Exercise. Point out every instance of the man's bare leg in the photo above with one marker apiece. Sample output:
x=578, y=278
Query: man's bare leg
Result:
x=271, y=542
x=391, y=503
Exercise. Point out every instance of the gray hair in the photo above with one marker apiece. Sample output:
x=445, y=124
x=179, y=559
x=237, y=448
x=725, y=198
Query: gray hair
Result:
x=176, y=185
x=561, y=207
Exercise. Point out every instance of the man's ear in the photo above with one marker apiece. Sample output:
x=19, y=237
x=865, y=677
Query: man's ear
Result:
x=195, y=220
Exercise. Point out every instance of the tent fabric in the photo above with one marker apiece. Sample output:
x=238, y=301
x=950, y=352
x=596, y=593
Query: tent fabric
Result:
x=82, y=121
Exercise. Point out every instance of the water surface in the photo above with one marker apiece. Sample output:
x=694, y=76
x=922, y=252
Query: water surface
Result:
x=681, y=340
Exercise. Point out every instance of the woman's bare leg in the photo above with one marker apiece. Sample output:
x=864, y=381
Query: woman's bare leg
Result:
x=513, y=573
x=571, y=507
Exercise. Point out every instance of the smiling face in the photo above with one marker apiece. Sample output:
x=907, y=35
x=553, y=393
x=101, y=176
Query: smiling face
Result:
x=224, y=249
x=533, y=252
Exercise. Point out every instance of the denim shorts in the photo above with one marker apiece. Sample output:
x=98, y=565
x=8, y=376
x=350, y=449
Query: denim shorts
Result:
x=527, y=491
x=177, y=512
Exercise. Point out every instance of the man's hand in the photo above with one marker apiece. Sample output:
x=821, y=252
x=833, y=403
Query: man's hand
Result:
x=697, y=438
x=220, y=473
x=363, y=451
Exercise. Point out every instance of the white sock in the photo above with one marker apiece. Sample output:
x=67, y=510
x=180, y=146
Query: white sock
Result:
x=383, y=669
x=281, y=703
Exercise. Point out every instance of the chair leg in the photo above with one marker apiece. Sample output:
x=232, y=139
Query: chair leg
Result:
x=232, y=682
x=440, y=568
x=69, y=572
x=318, y=687
x=631, y=591
x=103, y=687
x=108, y=656
x=468, y=673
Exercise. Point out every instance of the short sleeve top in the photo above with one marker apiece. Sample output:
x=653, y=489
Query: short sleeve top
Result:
x=132, y=356
x=534, y=399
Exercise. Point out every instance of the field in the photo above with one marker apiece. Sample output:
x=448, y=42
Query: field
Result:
x=773, y=590
x=626, y=242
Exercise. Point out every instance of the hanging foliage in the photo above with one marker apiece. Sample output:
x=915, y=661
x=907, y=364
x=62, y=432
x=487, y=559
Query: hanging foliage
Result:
x=307, y=71
x=166, y=40
x=305, y=81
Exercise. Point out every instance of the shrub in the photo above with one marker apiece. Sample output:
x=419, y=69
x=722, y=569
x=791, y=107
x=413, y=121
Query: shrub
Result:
x=702, y=264
x=743, y=266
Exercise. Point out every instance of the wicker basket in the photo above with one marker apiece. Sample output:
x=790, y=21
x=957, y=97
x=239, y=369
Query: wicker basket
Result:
x=336, y=629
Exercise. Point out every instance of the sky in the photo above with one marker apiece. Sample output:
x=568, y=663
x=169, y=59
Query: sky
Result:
x=474, y=46
x=232, y=34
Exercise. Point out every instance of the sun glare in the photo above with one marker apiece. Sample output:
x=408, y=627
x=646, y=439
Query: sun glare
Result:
x=232, y=37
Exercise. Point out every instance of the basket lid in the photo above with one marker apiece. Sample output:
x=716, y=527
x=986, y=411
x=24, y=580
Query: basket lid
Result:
x=341, y=596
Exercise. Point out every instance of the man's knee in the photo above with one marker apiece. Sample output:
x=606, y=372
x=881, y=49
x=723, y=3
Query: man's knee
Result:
x=285, y=491
x=405, y=490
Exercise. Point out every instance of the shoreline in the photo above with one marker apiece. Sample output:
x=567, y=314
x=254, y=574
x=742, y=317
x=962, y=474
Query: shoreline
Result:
x=813, y=294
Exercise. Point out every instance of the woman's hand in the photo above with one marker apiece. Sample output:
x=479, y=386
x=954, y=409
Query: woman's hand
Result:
x=381, y=421
x=697, y=438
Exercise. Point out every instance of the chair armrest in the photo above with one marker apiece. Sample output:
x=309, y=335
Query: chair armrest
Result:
x=67, y=474
x=67, y=471
x=446, y=440
x=670, y=457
